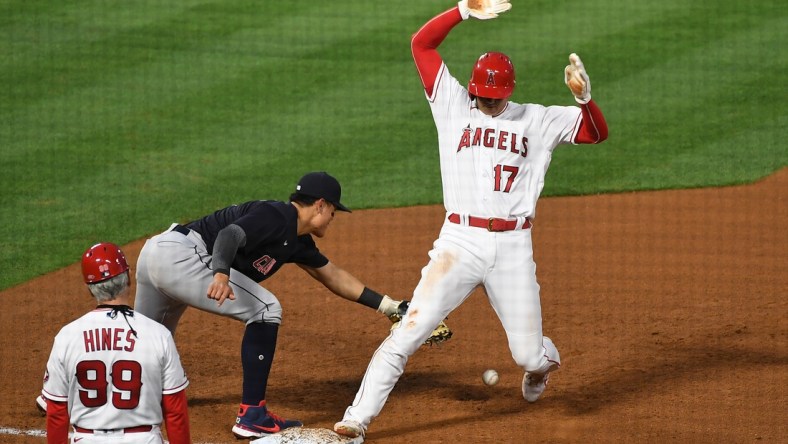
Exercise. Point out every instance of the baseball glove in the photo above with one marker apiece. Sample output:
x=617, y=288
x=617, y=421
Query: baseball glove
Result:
x=439, y=335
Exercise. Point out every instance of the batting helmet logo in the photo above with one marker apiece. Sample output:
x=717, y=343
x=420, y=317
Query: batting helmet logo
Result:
x=492, y=76
x=103, y=261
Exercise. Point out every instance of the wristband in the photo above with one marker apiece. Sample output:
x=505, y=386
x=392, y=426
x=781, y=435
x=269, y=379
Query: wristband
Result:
x=370, y=298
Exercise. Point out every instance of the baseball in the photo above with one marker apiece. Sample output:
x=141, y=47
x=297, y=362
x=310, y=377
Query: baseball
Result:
x=490, y=377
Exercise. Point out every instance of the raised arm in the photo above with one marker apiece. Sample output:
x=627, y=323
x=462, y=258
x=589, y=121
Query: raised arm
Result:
x=593, y=128
x=424, y=44
x=425, y=41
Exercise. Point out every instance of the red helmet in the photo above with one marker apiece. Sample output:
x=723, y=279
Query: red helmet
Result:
x=103, y=261
x=492, y=76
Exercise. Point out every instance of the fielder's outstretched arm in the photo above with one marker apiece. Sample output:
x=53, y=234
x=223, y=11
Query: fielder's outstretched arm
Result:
x=349, y=287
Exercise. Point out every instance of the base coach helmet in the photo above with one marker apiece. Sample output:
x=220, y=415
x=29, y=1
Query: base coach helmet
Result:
x=103, y=261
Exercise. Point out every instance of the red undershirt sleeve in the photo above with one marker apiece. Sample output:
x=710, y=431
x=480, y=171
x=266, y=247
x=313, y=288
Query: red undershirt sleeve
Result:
x=57, y=422
x=176, y=417
x=593, y=128
x=424, y=44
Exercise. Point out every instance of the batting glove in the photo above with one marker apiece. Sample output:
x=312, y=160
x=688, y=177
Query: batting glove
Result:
x=483, y=9
x=576, y=79
x=390, y=307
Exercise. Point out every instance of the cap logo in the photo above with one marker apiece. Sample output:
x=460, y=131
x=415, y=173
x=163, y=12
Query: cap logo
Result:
x=490, y=77
x=298, y=187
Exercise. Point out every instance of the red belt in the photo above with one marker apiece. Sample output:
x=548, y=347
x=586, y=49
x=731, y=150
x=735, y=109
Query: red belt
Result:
x=138, y=429
x=490, y=224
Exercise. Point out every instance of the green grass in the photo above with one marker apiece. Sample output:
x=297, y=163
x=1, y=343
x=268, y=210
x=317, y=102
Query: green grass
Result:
x=116, y=121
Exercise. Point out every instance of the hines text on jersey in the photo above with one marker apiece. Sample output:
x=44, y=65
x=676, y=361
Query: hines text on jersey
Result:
x=490, y=138
x=100, y=339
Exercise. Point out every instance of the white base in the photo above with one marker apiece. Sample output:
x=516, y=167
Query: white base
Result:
x=304, y=435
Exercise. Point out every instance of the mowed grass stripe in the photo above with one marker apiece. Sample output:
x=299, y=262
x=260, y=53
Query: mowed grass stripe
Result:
x=118, y=121
x=157, y=114
x=673, y=118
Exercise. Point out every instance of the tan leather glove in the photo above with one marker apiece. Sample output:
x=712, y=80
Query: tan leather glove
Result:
x=440, y=334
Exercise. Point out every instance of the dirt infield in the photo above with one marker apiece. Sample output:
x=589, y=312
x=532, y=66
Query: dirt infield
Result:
x=669, y=308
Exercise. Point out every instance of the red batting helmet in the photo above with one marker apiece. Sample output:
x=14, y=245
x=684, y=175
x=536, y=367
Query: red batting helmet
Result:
x=492, y=76
x=103, y=261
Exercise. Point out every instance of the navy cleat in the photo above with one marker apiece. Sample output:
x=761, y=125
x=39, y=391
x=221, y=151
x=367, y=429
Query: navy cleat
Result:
x=256, y=421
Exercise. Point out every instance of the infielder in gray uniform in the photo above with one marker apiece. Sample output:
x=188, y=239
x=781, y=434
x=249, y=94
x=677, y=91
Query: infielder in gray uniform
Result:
x=217, y=263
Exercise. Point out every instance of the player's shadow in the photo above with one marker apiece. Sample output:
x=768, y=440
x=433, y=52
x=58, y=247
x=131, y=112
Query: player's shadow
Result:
x=659, y=372
x=327, y=398
x=622, y=381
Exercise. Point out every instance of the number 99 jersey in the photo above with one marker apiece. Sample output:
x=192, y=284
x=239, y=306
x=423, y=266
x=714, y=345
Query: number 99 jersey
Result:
x=113, y=369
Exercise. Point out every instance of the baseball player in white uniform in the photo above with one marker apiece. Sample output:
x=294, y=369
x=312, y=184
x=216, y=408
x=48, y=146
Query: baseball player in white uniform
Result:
x=114, y=374
x=494, y=155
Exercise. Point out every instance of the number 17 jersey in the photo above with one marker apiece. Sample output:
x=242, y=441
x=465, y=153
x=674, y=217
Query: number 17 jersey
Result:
x=494, y=166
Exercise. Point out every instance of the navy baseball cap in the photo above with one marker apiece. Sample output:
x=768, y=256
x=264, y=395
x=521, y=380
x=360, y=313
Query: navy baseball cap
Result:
x=322, y=186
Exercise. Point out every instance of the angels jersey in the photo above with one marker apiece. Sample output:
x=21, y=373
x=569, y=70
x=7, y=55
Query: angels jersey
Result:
x=495, y=166
x=113, y=369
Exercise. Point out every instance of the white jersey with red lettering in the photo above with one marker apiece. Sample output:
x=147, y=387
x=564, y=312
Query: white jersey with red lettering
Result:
x=112, y=369
x=491, y=167
x=495, y=166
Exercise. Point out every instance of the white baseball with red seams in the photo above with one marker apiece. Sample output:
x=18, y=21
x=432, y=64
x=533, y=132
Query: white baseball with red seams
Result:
x=490, y=377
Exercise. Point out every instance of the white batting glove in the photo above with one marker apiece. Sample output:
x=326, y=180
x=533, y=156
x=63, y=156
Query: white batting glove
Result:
x=483, y=9
x=389, y=306
x=576, y=79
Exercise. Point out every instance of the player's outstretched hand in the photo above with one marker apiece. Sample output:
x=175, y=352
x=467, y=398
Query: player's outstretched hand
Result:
x=393, y=309
x=483, y=9
x=576, y=79
x=440, y=334
x=220, y=289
